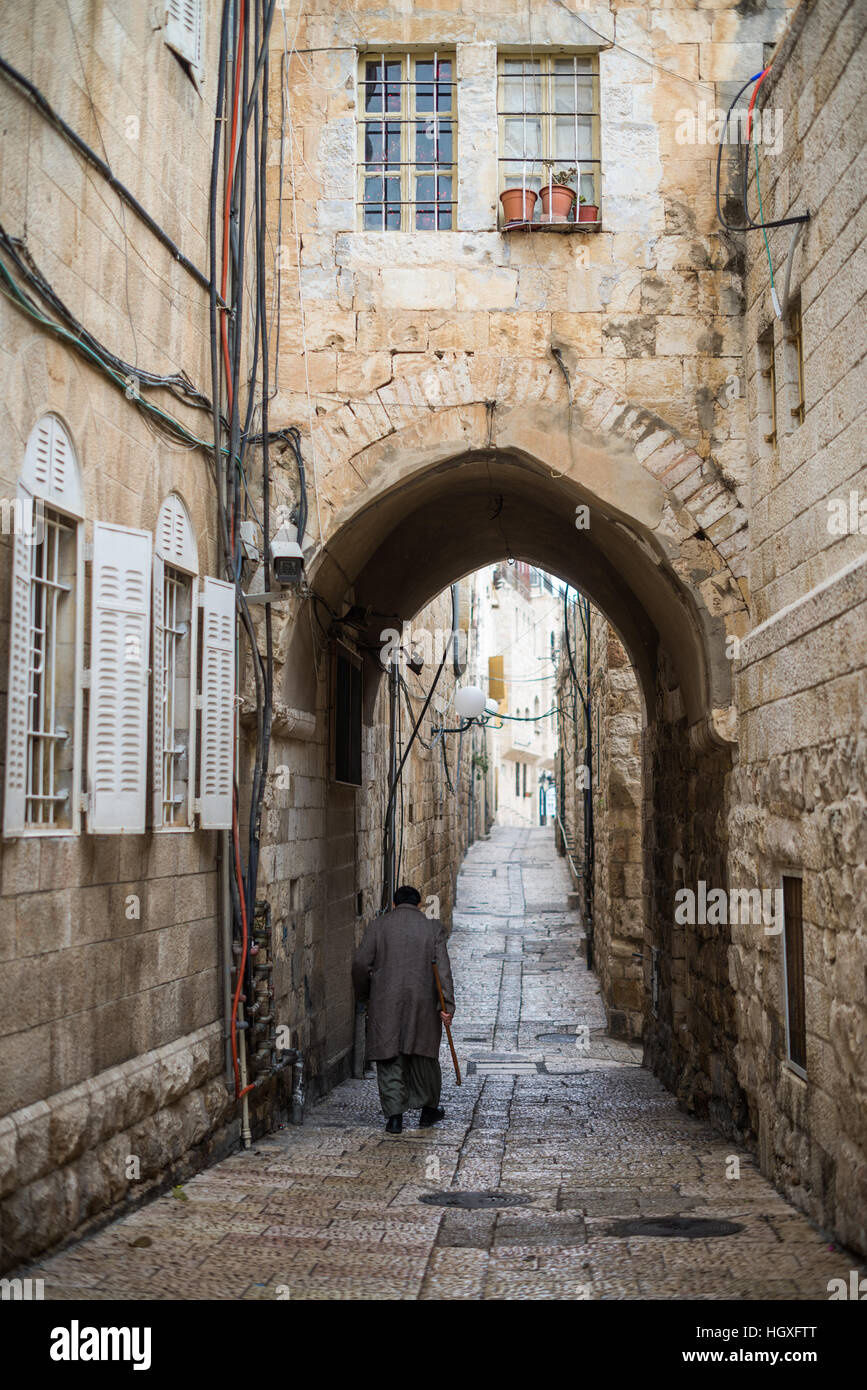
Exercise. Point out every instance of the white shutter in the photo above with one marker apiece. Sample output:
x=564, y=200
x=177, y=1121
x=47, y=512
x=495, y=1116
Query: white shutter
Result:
x=218, y=704
x=159, y=690
x=184, y=29
x=50, y=467
x=17, y=713
x=174, y=539
x=117, y=735
x=191, y=754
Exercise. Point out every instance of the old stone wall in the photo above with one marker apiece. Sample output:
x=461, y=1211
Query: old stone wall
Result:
x=650, y=304
x=111, y=981
x=114, y=981
x=798, y=795
x=619, y=896
x=691, y=1029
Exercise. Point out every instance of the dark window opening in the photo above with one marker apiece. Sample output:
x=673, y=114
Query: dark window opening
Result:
x=346, y=712
x=796, y=1011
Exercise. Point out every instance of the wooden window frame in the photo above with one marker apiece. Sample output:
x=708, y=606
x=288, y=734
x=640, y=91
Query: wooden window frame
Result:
x=547, y=116
x=796, y=1066
x=407, y=118
x=768, y=373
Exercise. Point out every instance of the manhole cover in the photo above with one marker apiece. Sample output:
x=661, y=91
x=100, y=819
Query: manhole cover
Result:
x=681, y=1227
x=474, y=1201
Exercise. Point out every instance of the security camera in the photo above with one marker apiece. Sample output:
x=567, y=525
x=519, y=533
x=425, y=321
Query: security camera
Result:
x=286, y=559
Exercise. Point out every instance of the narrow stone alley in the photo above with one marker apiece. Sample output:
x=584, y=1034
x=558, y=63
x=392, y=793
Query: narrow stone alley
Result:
x=563, y=1170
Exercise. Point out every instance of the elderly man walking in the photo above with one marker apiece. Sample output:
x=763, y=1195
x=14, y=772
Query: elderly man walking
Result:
x=394, y=971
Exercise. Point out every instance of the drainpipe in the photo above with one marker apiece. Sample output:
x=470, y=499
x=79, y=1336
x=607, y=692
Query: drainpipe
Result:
x=246, y=1131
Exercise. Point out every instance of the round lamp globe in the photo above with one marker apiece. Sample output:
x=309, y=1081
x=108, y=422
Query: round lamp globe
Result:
x=470, y=701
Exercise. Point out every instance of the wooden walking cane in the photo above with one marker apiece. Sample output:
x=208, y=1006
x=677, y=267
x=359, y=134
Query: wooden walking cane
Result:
x=448, y=1029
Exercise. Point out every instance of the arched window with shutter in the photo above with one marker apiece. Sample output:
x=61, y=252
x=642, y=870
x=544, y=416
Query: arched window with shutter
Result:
x=173, y=714
x=46, y=642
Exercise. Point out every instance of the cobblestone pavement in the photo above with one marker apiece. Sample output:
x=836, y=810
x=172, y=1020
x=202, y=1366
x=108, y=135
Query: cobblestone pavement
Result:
x=583, y=1134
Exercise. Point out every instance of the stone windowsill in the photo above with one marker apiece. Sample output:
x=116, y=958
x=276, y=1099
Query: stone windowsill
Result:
x=552, y=226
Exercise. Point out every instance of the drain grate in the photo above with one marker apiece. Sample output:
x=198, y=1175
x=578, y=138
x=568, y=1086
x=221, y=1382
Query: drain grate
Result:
x=475, y=1201
x=678, y=1227
x=557, y=1037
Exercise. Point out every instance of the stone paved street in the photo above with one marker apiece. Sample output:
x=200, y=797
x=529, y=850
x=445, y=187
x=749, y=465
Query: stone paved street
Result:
x=584, y=1135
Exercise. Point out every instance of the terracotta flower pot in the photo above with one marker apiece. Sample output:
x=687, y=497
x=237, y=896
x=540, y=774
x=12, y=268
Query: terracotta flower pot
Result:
x=588, y=213
x=557, y=200
x=518, y=204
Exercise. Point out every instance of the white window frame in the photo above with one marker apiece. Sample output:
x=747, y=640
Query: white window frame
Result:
x=50, y=479
x=175, y=561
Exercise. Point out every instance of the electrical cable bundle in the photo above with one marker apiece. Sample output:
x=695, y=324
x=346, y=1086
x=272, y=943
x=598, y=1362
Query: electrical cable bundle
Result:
x=245, y=98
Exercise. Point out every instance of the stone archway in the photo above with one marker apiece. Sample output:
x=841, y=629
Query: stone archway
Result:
x=454, y=465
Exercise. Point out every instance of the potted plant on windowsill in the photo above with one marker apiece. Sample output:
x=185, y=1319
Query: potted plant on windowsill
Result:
x=587, y=212
x=518, y=204
x=557, y=197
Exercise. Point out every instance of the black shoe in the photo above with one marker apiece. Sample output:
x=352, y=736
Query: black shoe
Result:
x=394, y=1124
x=430, y=1115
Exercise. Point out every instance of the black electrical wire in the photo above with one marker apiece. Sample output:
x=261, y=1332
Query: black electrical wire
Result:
x=178, y=383
x=32, y=91
x=576, y=682
x=749, y=225
x=411, y=741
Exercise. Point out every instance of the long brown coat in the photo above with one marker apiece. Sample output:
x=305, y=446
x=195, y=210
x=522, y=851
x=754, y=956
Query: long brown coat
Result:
x=393, y=969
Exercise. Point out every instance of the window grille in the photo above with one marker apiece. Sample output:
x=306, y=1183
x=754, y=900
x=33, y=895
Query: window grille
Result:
x=176, y=713
x=548, y=112
x=50, y=635
x=407, y=142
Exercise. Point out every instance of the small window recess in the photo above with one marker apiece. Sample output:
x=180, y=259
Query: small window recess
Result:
x=794, y=346
x=346, y=715
x=794, y=985
x=768, y=388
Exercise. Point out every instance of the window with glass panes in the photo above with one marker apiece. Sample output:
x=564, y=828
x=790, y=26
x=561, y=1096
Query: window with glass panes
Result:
x=407, y=142
x=548, y=109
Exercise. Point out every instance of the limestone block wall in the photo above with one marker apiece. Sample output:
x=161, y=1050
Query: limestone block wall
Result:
x=619, y=891
x=798, y=803
x=650, y=305
x=618, y=897
x=111, y=961
x=692, y=1030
